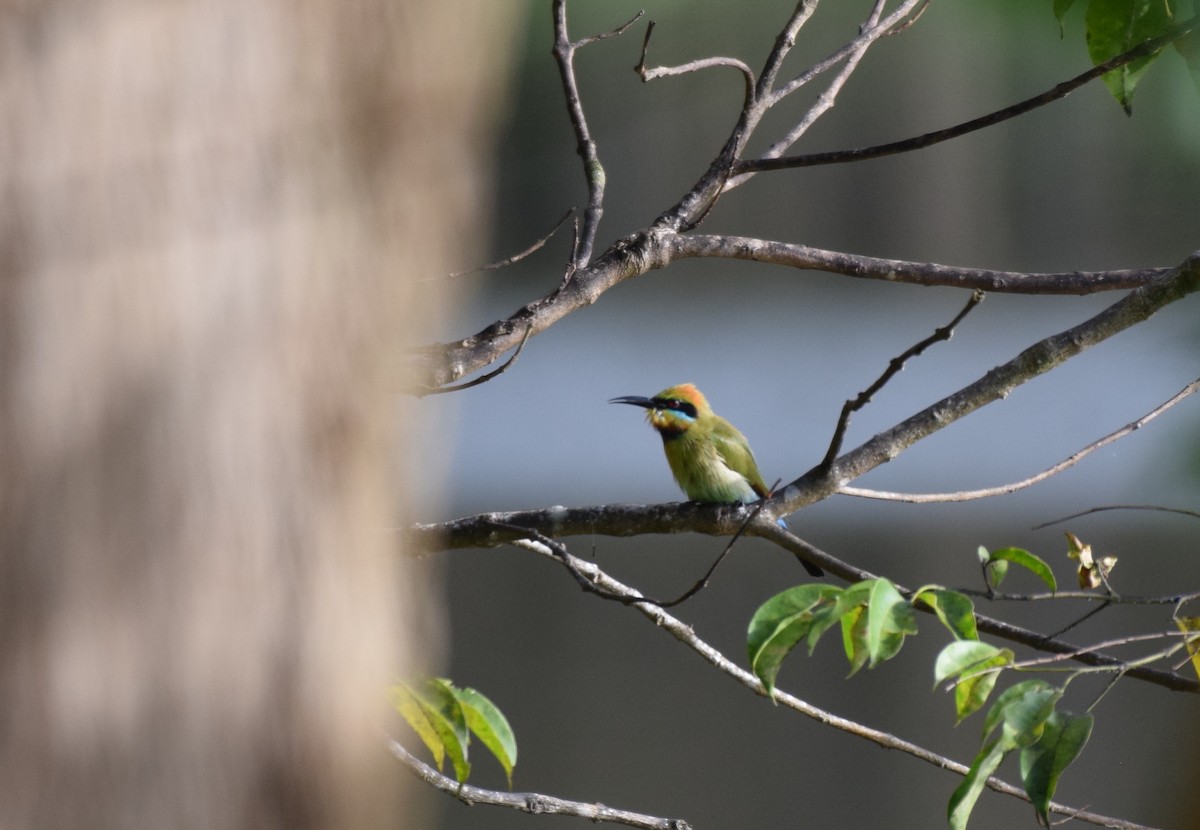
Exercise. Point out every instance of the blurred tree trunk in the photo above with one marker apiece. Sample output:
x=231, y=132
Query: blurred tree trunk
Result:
x=210, y=213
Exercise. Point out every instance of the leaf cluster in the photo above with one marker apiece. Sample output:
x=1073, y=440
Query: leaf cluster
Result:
x=875, y=618
x=445, y=716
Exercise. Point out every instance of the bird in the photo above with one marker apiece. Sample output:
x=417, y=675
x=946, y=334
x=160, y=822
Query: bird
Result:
x=709, y=457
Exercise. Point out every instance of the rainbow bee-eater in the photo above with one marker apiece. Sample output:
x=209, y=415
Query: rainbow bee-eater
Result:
x=709, y=457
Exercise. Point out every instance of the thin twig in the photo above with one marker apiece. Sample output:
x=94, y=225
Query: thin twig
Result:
x=533, y=803
x=512, y=260
x=1178, y=510
x=900, y=27
x=896, y=364
x=872, y=31
x=687, y=635
x=929, y=139
x=868, y=34
x=1069, y=461
x=1108, y=603
x=648, y=75
x=563, y=555
x=1047, y=596
x=1107, y=644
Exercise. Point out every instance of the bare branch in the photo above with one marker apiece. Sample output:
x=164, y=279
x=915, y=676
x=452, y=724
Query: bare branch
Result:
x=564, y=56
x=783, y=45
x=422, y=391
x=620, y=30
x=1069, y=461
x=533, y=803
x=914, y=273
x=851, y=56
x=642, y=252
x=872, y=29
x=768, y=162
x=895, y=366
x=900, y=27
x=686, y=634
x=1058, y=596
x=1039, y=358
x=648, y=75
x=1090, y=510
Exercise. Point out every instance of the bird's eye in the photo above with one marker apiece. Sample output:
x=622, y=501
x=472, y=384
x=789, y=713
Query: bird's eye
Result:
x=686, y=408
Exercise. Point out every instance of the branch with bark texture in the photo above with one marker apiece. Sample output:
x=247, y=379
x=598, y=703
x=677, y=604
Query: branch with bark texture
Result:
x=665, y=240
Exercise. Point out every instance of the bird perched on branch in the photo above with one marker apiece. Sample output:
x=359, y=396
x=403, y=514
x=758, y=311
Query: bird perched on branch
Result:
x=709, y=457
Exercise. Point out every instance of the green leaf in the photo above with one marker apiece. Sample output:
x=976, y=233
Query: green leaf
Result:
x=1062, y=740
x=967, y=793
x=446, y=714
x=488, y=724
x=434, y=713
x=1061, y=7
x=415, y=714
x=1116, y=26
x=854, y=638
x=1026, y=560
x=1190, y=627
x=994, y=572
x=1022, y=708
x=959, y=656
x=972, y=691
x=955, y=610
x=780, y=623
x=889, y=619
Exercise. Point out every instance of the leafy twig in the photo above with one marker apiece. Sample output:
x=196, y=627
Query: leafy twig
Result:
x=687, y=635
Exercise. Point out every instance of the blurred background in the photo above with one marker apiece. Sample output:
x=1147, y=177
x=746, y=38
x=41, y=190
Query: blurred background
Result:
x=608, y=709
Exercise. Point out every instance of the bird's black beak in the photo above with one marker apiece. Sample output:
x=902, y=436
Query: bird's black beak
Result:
x=635, y=400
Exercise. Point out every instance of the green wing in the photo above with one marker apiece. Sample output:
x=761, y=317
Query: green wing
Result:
x=734, y=450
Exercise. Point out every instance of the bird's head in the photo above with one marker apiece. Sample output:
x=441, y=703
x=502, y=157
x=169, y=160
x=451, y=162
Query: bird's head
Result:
x=673, y=410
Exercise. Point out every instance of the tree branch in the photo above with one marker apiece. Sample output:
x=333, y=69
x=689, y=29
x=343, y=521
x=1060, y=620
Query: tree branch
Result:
x=564, y=56
x=533, y=803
